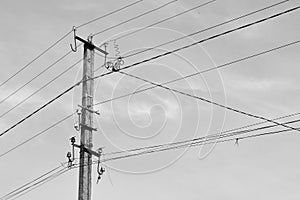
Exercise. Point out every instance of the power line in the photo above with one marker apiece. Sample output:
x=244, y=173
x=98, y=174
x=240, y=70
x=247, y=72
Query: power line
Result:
x=200, y=31
x=35, y=185
x=227, y=140
x=194, y=144
x=164, y=20
x=201, y=72
x=14, y=92
x=147, y=26
x=62, y=38
x=70, y=115
x=153, y=58
x=37, y=134
x=36, y=58
x=54, y=44
x=40, y=108
x=167, y=148
x=149, y=150
x=168, y=82
x=40, y=183
x=191, y=143
x=136, y=17
x=46, y=69
x=54, y=170
x=35, y=77
x=41, y=88
x=108, y=14
x=228, y=133
x=209, y=28
x=204, y=40
x=208, y=101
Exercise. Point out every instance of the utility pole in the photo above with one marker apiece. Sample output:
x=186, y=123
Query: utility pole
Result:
x=86, y=138
x=86, y=120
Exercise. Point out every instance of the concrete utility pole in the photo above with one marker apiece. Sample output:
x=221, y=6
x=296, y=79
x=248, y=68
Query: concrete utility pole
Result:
x=86, y=122
x=85, y=169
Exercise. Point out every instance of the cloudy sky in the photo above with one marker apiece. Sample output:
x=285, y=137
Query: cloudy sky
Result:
x=268, y=86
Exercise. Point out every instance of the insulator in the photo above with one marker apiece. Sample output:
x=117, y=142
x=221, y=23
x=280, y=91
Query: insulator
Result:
x=69, y=155
x=73, y=140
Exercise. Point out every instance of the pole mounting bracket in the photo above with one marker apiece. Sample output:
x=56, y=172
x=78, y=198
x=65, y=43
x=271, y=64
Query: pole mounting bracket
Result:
x=88, y=43
x=89, y=110
x=88, y=127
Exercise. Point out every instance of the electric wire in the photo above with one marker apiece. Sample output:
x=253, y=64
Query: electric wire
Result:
x=100, y=67
x=206, y=29
x=31, y=182
x=37, y=135
x=84, y=24
x=134, y=18
x=41, y=88
x=62, y=38
x=205, y=40
x=40, y=108
x=36, y=58
x=46, y=69
x=108, y=14
x=204, y=71
x=153, y=58
x=200, y=31
x=164, y=20
x=168, y=82
x=38, y=182
x=226, y=140
x=35, y=77
x=42, y=182
x=195, y=144
x=208, y=101
x=152, y=25
x=45, y=130
x=149, y=151
x=192, y=143
x=219, y=135
x=251, y=13
x=35, y=185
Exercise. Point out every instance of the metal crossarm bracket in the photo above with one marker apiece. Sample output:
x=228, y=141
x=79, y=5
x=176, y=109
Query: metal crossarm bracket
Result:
x=91, y=111
x=94, y=153
x=88, y=127
x=90, y=45
x=91, y=152
x=76, y=145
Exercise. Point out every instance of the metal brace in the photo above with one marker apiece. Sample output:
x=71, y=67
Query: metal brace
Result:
x=88, y=127
x=88, y=43
x=91, y=111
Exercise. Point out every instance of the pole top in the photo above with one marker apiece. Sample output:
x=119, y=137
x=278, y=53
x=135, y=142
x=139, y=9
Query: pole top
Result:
x=88, y=43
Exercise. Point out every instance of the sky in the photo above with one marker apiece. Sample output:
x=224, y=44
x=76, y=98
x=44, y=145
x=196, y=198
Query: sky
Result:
x=267, y=86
